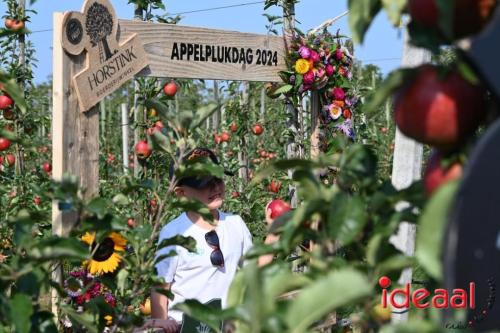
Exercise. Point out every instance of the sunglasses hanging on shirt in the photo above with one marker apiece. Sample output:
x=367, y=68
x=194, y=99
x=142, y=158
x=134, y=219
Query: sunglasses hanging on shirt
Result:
x=216, y=257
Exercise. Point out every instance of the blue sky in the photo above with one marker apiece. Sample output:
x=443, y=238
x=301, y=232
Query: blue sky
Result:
x=382, y=47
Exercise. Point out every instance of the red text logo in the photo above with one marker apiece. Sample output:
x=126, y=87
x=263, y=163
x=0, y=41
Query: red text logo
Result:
x=422, y=298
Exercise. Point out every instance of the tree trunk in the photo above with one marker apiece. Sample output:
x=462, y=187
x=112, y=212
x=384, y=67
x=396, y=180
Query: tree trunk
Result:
x=107, y=51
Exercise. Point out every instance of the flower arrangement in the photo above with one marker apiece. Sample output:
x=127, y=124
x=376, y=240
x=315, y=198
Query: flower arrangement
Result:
x=321, y=63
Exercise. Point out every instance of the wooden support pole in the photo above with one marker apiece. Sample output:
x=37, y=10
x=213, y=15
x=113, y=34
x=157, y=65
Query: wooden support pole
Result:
x=407, y=168
x=75, y=139
x=124, y=109
x=291, y=146
x=243, y=154
x=315, y=128
x=216, y=117
x=138, y=15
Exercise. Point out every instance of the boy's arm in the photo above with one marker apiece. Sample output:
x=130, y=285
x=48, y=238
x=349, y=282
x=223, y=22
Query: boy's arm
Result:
x=159, y=303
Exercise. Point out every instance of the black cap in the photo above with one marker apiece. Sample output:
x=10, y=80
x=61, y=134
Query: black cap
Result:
x=198, y=182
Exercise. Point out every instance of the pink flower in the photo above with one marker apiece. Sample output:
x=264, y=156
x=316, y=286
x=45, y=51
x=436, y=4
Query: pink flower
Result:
x=314, y=56
x=338, y=94
x=329, y=70
x=339, y=55
x=308, y=78
x=304, y=52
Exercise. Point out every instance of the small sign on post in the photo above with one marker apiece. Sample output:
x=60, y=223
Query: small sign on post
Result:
x=109, y=64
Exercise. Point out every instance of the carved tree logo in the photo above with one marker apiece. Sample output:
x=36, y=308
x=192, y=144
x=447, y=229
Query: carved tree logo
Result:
x=99, y=26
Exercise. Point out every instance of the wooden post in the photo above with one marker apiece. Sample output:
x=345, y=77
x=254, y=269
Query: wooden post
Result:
x=75, y=138
x=103, y=120
x=138, y=15
x=124, y=127
x=216, y=117
x=407, y=167
x=291, y=147
x=315, y=129
x=242, y=154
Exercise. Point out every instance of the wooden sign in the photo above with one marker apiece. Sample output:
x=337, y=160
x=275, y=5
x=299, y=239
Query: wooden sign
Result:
x=472, y=249
x=109, y=64
x=187, y=52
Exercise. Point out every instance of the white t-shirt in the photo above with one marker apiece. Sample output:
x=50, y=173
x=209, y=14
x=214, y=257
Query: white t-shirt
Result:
x=192, y=274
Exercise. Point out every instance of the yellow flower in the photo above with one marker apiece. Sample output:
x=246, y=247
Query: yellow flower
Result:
x=302, y=66
x=104, y=258
x=109, y=320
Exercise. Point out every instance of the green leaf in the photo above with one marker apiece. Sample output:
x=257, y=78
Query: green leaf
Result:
x=55, y=247
x=120, y=199
x=432, y=224
x=309, y=185
x=20, y=312
x=203, y=113
x=161, y=141
x=347, y=218
x=395, y=80
x=283, y=90
x=339, y=288
x=358, y=166
x=121, y=280
x=85, y=319
x=394, y=9
x=98, y=206
x=361, y=15
x=395, y=263
x=187, y=242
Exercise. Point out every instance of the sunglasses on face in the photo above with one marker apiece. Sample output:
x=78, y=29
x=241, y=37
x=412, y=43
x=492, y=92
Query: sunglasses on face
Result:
x=216, y=257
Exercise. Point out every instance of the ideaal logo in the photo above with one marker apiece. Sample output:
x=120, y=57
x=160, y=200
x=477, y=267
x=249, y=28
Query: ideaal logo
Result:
x=422, y=298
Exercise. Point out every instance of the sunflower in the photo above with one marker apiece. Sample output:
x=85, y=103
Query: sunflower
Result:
x=105, y=258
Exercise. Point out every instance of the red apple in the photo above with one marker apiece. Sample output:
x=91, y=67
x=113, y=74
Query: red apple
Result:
x=257, y=129
x=9, y=22
x=111, y=158
x=468, y=17
x=142, y=149
x=263, y=153
x=5, y=102
x=233, y=127
x=37, y=200
x=217, y=139
x=274, y=186
x=11, y=159
x=435, y=175
x=224, y=137
x=278, y=207
x=383, y=130
x=47, y=167
x=131, y=223
x=4, y=144
x=439, y=112
x=170, y=89
x=153, y=203
x=235, y=194
x=17, y=25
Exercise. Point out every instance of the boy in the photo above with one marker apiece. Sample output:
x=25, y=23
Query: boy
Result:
x=206, y=274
